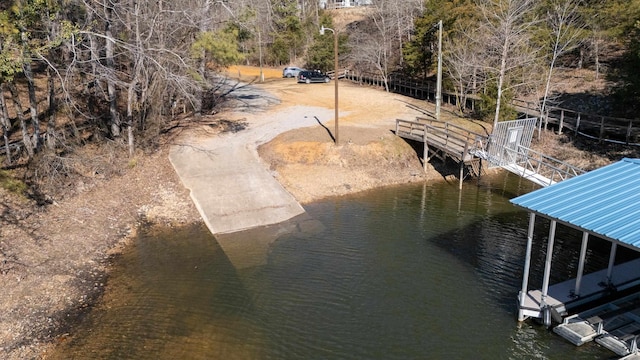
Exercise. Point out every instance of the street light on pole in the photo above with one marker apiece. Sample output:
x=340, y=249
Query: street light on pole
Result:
x=335, y=79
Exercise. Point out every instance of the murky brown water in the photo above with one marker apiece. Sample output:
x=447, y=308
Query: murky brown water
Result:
x=408, y=272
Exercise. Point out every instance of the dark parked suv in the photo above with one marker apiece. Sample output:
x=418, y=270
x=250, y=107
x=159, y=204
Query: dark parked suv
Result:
x=312, y=76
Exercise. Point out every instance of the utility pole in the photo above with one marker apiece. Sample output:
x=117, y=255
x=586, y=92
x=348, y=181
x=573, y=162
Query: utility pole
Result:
x=439, y=78
x=335, y=77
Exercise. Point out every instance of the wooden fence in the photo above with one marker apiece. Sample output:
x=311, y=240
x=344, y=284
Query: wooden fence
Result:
x=592, y=126
x=596, y=127
x=341, y=73
x=417, y=89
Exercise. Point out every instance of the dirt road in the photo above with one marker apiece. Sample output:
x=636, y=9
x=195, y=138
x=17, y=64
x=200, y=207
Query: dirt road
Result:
x=310, y=166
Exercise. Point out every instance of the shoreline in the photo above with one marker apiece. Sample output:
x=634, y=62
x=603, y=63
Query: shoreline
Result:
x=61, y=256
x=92, y=290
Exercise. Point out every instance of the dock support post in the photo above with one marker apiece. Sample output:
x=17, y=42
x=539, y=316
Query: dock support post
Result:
x=612, y=260
x=583, y=255
x=425, y=153
x=461, y=174
x=527, y=266
x=547, y=262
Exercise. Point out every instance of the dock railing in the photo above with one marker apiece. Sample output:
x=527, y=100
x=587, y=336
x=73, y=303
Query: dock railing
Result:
x=453, y=139
x=531, y=161
x=410, y=129
x=454, y=135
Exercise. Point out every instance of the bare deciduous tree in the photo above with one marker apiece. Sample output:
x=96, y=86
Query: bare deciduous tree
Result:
x=114, y=116
x=5, y=122
x=463, y=63
x=377, y=42
x=403, y=12
x=26, y=140
x=507, y=30
x=566, y=29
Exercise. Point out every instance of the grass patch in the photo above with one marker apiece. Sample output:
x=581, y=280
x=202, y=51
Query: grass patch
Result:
x=132, y=163
x=11, y=184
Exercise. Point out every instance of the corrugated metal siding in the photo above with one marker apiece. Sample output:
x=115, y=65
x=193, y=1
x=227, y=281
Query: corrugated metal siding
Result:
x=604, y=202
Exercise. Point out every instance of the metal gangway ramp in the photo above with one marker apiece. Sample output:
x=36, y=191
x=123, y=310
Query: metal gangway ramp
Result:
x=509, y=148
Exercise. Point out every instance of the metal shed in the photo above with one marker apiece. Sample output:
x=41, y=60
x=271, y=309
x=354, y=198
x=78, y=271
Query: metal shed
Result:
x=603, y=203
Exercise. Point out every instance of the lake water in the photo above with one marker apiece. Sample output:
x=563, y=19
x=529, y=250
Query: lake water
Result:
x=422, y=271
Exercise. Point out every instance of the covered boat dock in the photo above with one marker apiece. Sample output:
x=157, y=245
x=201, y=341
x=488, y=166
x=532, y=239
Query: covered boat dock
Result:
x=604, y=203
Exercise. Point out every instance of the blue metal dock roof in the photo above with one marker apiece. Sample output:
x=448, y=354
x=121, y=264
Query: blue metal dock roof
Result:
x=604, y=202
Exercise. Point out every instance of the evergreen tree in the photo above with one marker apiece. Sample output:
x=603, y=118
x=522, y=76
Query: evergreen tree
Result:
x=288, y=32
x=420, y=51
x=320, y=54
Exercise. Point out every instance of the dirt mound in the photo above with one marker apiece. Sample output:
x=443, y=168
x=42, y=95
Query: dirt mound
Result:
x=315, y=169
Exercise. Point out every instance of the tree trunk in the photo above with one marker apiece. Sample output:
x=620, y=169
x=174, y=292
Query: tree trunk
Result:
x=111, y=86
x=202, y=66
x=161, y=21
x=549, y=75
x=51, y=123
x=33, y=104
x=581, y=58
x=135, y=76
x=597, y=57
x=200, y=92
x=6, y=124
x=52, y=28
x=94, y=60
x=501, y=76
x=130, y=99
x=15, y=96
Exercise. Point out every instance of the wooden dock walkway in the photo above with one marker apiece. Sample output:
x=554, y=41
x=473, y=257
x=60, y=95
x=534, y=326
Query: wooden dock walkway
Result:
x=504, y=148
x=445, y=140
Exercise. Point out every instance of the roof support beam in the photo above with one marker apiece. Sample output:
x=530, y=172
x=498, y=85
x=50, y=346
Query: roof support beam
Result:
x=527, y=266
x=583, y=255
x=612, y=260
x=547, y=263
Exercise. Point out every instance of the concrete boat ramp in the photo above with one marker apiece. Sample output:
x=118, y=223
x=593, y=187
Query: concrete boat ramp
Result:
x=230, y=185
